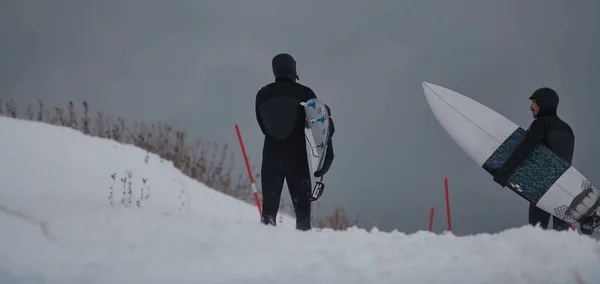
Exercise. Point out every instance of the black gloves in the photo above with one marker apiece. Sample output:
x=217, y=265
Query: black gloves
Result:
x=324, y=169
x=501, y=176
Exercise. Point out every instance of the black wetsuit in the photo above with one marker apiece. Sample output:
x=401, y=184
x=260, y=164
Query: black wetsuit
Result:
x=556, y=134
x=282, y=120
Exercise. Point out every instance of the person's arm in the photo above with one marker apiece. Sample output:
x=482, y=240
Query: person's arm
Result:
x=535, y=135
x=329, y=155
x=331, y=124
x=256, y=110
x=328, y=160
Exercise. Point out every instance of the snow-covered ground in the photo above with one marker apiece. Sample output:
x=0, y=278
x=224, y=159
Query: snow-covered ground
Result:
x=57, y=226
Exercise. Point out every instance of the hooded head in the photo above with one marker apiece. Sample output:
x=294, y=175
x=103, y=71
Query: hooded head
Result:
x=284, y=67
x=544, y=102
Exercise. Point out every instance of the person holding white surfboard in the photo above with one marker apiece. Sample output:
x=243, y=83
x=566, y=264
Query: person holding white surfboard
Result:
x=284, y=158
x=549, y=129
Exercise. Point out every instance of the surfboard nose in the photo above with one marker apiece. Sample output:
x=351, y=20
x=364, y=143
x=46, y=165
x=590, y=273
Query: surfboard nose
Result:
x=426, y=86
x=432, y=89
x=431, y=95
x=473, y=126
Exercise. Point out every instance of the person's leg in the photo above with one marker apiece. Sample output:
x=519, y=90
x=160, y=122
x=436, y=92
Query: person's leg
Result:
x=298, y=181
x=558, y=224
x=537, y=215
x=272, y=183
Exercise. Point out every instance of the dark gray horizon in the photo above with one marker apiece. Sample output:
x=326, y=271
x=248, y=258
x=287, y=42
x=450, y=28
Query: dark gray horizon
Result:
x=197, y=66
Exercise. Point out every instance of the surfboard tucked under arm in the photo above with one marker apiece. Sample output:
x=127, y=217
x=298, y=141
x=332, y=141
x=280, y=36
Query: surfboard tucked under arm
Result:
x=317, y=136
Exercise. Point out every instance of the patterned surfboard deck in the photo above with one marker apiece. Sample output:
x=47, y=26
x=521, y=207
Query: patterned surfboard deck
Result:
x=537, y=173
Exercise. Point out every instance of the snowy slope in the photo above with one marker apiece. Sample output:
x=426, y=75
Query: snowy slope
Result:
x=57, y=226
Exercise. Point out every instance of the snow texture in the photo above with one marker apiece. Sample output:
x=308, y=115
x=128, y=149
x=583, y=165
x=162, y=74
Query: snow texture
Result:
x=58, y=226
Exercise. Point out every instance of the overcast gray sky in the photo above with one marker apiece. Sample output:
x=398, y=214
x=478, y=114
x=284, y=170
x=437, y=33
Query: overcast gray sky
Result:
x=198, y=65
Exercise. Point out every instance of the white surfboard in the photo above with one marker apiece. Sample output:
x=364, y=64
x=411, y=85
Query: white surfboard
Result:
x=317, y=138
x=489, y=138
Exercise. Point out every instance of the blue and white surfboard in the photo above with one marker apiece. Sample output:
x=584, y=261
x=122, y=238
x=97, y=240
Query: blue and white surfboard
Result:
x=317, y=138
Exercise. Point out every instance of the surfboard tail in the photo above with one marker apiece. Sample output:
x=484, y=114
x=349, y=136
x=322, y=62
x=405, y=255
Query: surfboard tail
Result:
x=585, y=204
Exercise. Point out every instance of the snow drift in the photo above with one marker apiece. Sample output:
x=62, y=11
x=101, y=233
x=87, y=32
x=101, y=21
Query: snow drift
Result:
x=60, y=223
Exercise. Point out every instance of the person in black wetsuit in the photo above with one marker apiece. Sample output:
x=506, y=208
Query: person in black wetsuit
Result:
x=282, y=121
x=547, y=128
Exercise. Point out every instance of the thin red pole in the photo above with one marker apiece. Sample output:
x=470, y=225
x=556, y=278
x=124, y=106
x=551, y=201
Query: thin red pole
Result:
x=239, y=134
x=447, y=204
x=571, y=226
x=431, y=214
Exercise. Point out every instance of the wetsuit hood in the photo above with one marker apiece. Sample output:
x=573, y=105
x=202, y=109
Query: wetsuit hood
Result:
x=284, y=67
x=547, y=100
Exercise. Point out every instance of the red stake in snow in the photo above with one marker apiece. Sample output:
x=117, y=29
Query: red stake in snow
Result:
x=431, y=214
x=239, y=134
x=447, y=204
